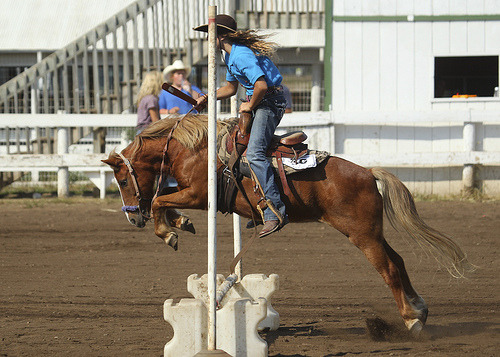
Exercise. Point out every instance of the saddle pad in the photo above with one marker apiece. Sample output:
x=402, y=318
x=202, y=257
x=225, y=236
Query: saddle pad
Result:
x=304, y=162
x=319, y=157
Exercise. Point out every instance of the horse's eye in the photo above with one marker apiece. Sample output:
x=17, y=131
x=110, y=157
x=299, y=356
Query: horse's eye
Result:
x=123, y=183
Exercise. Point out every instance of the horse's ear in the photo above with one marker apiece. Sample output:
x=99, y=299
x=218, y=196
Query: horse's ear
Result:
x=113, y=162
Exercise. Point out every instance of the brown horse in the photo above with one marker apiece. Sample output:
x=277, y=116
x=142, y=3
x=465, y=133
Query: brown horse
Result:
x=336, y=192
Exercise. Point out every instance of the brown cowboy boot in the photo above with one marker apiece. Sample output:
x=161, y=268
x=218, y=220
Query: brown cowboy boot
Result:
x=272, y=226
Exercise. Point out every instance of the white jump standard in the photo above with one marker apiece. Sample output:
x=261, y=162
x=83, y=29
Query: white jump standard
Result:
x=223, y=321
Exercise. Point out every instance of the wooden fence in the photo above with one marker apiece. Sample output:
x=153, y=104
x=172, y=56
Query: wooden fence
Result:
x=432, y=152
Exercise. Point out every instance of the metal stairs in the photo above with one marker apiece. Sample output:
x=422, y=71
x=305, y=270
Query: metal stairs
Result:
x=100, y=72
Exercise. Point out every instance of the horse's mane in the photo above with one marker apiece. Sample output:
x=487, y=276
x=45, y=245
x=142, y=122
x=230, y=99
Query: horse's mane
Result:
x=190, y=133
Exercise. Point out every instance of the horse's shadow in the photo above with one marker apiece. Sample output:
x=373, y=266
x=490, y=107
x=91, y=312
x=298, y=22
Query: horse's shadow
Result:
x=383, y=330
x=436, y=332
x=378, y=329
x=308, y=329
x=292, y=331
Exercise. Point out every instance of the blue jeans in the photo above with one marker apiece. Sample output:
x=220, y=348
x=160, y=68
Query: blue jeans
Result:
x=267, y=116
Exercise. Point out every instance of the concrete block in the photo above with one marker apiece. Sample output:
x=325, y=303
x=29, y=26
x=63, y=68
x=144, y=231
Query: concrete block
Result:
x=189, y=322
x=237, y=323
x=251, y=286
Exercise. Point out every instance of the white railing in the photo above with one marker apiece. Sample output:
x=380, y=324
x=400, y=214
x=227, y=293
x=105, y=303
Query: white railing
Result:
x=146, y=35
x=433, y=152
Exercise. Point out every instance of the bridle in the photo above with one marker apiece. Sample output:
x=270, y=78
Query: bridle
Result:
x=139, y=208
x=133, y=209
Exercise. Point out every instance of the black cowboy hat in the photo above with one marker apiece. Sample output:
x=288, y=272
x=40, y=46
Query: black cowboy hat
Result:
x=225, y=23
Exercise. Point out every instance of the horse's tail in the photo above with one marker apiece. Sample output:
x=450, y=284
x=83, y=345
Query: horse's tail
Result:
x=400, y=209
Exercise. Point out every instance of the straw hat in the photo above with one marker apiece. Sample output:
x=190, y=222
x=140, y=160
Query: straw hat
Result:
x=225, y=24
x=178, y=65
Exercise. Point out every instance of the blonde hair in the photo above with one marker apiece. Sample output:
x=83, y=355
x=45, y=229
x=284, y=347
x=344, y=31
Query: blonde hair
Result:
x=250, y=38
x=151, y=84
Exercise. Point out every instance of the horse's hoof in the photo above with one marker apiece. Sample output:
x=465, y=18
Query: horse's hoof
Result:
x=414, y=326
x=172, y=240
x=423, y=315
x=187, y=226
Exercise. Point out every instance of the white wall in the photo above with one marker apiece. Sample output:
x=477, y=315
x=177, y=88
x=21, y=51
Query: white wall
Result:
x=414, y=7
x=389, y=65
x=383, y=66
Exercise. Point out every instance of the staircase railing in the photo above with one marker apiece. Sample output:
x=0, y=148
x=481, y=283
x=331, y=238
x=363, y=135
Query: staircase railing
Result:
x=91, y=74
x=101, y=71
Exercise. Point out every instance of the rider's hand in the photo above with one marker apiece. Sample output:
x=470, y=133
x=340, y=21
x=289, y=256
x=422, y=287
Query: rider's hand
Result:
x=245, y=107
x=202, y=102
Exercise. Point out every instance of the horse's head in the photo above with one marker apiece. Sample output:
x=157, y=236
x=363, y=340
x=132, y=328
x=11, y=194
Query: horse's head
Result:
x=136, y=187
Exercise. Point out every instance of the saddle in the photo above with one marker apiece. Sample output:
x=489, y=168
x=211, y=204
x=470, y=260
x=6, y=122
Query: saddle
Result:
x=289, y=145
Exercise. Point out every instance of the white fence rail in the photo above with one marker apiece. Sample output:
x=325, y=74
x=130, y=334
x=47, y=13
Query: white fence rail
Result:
x=432, y=152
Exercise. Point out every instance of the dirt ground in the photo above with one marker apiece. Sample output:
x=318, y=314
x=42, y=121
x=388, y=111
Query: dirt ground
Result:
x=77, y=279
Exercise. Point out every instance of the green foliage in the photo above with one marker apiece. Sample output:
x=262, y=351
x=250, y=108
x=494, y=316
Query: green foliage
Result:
x=130, y=133
x=50, y=191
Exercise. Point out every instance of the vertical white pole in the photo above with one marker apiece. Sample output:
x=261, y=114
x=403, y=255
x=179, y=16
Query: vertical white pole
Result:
x=35, y=89
x=469, y=137
x=212, y=177
x=62, y=172
x=316, y=89
x=102, y=184
x=236, y=218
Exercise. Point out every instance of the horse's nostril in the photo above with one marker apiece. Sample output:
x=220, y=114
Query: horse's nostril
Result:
x=132, y=221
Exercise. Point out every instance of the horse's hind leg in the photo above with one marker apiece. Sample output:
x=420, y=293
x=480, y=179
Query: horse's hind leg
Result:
x=391, y=267
x=415, y=299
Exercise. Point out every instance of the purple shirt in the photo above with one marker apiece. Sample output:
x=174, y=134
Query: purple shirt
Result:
x=148, y=102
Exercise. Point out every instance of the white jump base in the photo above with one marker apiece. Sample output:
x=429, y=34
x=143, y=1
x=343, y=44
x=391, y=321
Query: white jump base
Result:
x=243, y=311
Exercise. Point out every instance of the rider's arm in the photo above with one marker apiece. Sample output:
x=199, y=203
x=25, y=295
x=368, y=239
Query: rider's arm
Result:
x=228, y=90
x=259, y=91
x=224, y=92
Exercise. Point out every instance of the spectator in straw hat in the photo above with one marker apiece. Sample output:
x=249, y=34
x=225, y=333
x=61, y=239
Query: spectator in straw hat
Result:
x=176, y=74
x=247, y=58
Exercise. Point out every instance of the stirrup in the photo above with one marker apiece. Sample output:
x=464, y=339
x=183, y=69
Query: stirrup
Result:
x=278, y=214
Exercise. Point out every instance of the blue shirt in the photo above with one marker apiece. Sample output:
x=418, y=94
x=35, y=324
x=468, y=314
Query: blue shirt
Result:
x=245, y=67
x=169, y=101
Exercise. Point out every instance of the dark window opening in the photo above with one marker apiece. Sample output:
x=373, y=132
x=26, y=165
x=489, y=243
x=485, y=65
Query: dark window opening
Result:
x=476, y=76
x=7, y=73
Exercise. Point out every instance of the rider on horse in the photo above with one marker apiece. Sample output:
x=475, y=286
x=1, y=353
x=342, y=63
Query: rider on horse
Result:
x=247, y=60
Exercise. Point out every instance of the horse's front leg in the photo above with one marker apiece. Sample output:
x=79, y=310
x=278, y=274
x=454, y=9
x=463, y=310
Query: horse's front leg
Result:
x=187, y=198
x=178, y=220
x=174, y=217
x=163, y=229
